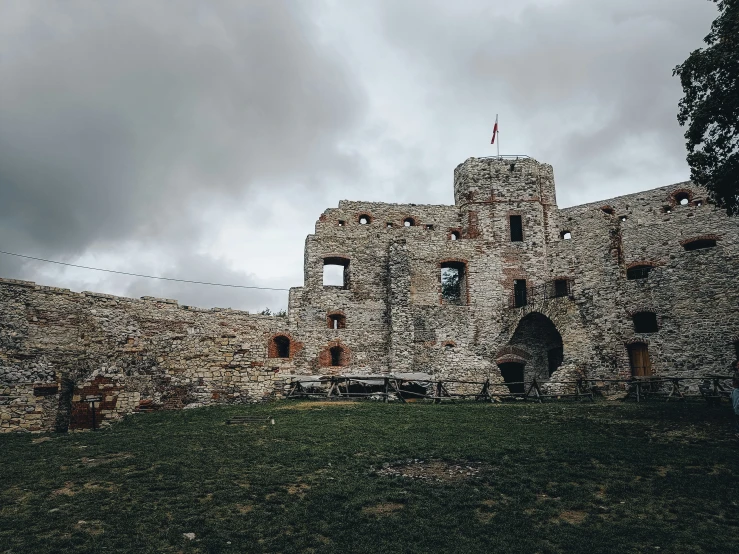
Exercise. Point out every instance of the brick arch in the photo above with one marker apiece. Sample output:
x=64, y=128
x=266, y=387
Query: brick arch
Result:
x=636, y=340
x=336, y=313
x=608, y=210
x=368, y=215
x=416, y=221
x=709, y=236
x=511, y=353
x=272, y=346
x=673, y=198
x=336, y=259
x=324, y=357
x=449, y=343
x=451, y=261
x=642, y=263
x=639, y=308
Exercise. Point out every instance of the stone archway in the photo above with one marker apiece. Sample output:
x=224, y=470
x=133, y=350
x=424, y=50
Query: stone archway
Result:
x=539, y=337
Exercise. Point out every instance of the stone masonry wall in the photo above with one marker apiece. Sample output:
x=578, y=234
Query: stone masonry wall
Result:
x=145, y=354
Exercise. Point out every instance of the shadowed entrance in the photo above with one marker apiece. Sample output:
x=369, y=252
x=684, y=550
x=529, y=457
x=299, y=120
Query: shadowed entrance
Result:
x=539, y=336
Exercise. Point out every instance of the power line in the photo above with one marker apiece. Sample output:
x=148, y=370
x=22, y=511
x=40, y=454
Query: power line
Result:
x=138, y=274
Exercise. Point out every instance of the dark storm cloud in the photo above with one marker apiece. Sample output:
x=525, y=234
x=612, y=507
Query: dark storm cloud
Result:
x=119, y=119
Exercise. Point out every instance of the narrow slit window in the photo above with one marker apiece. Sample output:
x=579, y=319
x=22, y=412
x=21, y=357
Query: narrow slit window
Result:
x=519, y=293
x=336, y=321
x=454, y=235
x=516, y=228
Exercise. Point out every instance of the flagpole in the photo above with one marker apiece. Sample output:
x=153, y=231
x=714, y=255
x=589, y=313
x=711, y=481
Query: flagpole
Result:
x=496, y=122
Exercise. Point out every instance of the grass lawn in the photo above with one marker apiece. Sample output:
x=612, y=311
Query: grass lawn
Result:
x=369, y=477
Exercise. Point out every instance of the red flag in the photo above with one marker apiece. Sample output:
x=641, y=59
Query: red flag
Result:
x=495, y=130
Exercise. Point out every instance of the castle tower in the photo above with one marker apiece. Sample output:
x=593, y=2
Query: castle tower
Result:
x=509, y=203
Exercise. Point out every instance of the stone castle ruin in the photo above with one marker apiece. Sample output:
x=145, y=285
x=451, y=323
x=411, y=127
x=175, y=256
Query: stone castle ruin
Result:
x=502, y=286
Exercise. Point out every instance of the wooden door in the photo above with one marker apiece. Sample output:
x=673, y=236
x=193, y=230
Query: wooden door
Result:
x=641, y=365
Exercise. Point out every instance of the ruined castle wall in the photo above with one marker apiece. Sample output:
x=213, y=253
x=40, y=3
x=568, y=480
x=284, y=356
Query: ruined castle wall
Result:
x=149, y=352
x=693, y=293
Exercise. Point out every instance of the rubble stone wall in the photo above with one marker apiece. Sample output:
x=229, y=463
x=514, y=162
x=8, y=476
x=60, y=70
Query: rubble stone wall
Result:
x=144, y=354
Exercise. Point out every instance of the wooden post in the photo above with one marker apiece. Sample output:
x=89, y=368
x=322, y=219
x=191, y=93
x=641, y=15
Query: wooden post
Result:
x=387, y=386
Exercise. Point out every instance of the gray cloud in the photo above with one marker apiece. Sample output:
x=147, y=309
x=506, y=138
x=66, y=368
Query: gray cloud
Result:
x=202, y=142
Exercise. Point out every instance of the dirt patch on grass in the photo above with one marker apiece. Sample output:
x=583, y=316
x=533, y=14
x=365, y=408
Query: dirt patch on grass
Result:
x=316, y=404
x=40, y=440
x=94, y=527
x=66, y=490
x=244, y=509
x=298, y=489
x=382, y=509
x=432, y=470
x=572, y=517
x=105, y=459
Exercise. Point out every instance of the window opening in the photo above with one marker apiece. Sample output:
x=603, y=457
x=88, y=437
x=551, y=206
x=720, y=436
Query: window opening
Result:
x=623, y=218
x=342, y=223
x=336, y=272
x=561, y=288
x=336, y=321
x=364, y=219
x=280, y=347
x=608, y=210
x=516, y=228
x=429, y=227
x=638, y=272
x=641, y=365
x=454, y=235
x=698, y=203
x=645, y=322
x=388, y=225
x=409, y=222
x=337, y=356
x=699, y=244
x=453, y=283
x=566, y=235
x=555, y=356
x=519, y=293
x=682, y=198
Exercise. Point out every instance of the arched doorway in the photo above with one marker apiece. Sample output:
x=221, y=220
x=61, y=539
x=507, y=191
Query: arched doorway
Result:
x=537, y=335
x=512, y=373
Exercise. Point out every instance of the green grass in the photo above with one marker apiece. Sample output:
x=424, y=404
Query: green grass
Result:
x=601, y=477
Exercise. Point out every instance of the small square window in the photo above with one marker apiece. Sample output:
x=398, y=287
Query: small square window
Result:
x=429, y=227
x=388, y=225
x=342, y=223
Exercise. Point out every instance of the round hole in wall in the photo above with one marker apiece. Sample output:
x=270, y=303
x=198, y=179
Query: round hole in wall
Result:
x=409, y=222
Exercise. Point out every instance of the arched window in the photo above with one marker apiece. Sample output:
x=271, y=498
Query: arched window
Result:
x=409, y=222
x=336, y=320
x=682, y=198
x=645, y=322
x=364, y=219
x=565, y=235
x=607, y=210
x=279, y=347
x=454, y=235
x=699, y=243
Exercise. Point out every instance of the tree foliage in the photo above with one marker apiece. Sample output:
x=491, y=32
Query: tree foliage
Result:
x=451, y=287
x=710, y=108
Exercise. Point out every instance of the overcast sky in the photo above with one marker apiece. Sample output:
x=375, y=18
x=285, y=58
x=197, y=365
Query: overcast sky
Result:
x=202, y=139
